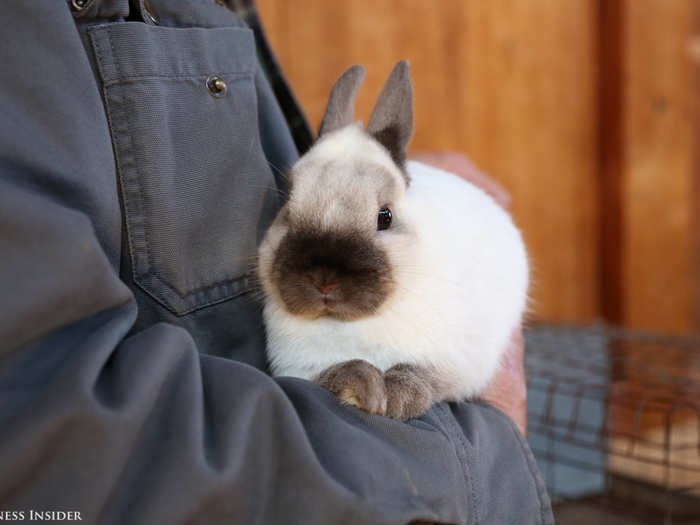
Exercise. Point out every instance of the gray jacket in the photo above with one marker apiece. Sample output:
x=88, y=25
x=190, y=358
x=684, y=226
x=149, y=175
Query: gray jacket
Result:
x=132, y=383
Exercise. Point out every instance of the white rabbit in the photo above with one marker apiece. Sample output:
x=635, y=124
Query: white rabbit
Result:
x=395, y=285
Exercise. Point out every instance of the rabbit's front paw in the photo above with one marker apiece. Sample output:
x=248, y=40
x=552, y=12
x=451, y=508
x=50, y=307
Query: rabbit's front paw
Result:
x=408, y=391
x=356, y=383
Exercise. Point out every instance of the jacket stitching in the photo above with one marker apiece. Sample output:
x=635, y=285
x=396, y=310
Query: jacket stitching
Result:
x=463, y=458
x=529, y=460
x=133, y=187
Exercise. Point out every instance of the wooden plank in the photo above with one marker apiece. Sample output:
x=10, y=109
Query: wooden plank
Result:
x=528, y=110
x=658, y=197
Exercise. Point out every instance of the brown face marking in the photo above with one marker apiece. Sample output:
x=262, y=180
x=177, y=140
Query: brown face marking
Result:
x=340, y=275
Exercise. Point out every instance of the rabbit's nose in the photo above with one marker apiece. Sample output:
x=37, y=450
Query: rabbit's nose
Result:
x=327, y=288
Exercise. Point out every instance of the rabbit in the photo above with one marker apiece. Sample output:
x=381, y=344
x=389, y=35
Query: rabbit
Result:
x=393, y=284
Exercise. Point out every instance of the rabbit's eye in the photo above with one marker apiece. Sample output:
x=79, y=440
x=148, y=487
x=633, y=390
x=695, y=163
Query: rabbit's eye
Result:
x=384, y=219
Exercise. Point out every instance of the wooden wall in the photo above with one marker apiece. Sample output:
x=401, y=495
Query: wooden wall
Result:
x=659, y=177
x=585, y=110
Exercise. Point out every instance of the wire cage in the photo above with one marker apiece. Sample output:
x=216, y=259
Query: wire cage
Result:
x=614, y=422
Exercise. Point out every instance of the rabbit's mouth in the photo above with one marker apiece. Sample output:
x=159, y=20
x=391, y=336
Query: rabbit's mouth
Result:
x=335, y=306
x=337, y=309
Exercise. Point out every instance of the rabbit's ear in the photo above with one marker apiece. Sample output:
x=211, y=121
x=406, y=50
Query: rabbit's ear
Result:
x=341, y=104
x=391, y=122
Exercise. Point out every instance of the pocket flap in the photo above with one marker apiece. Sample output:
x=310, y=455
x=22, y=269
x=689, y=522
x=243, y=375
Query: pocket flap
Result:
x=196, y=187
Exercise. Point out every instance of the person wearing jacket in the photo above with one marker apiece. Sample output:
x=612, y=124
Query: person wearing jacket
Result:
x=141, y=157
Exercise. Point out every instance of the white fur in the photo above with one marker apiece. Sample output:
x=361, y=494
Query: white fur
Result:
x=462, y=277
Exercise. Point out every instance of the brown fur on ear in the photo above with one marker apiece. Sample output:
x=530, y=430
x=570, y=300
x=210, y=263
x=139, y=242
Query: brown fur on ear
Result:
x=390, y=136
x=391, y=122
x=340, y=110
x=356, y=383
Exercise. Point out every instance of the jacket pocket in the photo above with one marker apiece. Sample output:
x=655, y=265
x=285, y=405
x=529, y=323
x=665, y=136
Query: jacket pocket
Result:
x=197, y=190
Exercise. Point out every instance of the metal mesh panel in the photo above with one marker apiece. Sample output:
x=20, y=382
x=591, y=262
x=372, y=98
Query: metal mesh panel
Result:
x=614, y=421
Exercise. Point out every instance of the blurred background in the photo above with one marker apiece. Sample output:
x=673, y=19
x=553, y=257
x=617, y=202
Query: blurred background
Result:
x=588, y=112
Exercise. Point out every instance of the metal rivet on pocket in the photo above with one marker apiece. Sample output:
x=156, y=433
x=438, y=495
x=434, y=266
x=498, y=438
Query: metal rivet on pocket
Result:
x=216, y=86
x=148, y=11
x=221, y=3
x=80, y=5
